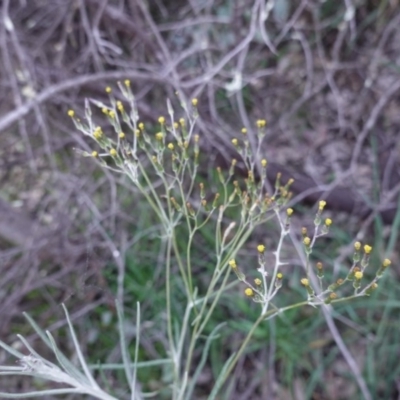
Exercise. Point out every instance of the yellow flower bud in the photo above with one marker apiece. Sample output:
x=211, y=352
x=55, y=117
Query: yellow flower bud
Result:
x=305, y=282
x=279, y=275
x=358, y=275
x=113, y=152
x=121, y=135
x=97, y=133
x=328, y=222
x=159, y=136
x=120, y=106
x=182, y=121
x=307, y=241
x=367, y=249
x=95, y=154
x=249, y=292
x=321, y=205
x=194, y=102
x=258, y=281
x=127, y=82
x=161, y=120
x=71, y=113
x=232, y=263
x=386, y=262
x=108, y=89
x=235, y=142
x=244, y=131
x=141, y=126
x=264, y=162
x=261, y=248
x=196, y=138
x=357, y=246
x=289, y=212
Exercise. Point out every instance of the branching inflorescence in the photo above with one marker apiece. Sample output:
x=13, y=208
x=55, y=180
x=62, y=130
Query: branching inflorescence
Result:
x=171, y=155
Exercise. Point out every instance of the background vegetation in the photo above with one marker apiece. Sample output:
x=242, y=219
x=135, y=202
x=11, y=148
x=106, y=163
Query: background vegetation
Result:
x=325, y=74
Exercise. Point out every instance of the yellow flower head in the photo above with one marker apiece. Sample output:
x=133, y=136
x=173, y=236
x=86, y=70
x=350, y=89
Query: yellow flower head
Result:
x=171, y=146
x=108, y=89
x=367, y=249
x=357, y=246
x=141, y=126
x=71, y=113
x=159, y=136
x=121, y=135
x=97, y=133
x=261, y=248
x=113, y=152
x=279, y=275
x=235, y=142
x=386, y=262
x=232, y=263
x=249, y=292
x=194, y=102
x=161, y=120
x=358, y=275
x=264, y=162
x=258, y=281
x=289, y=212
x=244, y=131
x=305, y=282
x=182, y=121
x=321, y=205
x=120, y=106
x=95, y=154
x=307, y=241
x=111, y=114
x=328, y=222
x=261, y=123
x=196, y=138
x=127, y=82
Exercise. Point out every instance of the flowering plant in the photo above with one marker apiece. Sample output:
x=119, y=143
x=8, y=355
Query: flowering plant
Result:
x=171, y=156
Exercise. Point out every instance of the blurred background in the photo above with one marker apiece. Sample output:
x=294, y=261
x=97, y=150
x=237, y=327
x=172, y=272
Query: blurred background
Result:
x=326, y=77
